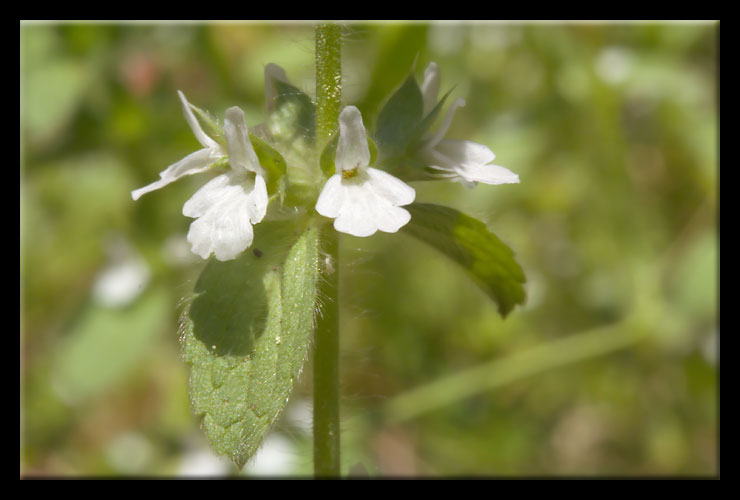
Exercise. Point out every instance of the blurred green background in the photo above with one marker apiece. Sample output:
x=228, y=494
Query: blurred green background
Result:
x=611, y=367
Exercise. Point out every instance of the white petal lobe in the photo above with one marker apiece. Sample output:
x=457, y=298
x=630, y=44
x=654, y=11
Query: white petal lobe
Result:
x=258, y=200
x=241, y=151
x=225, y=208
x=352, y=147
x=206, y=141
x=331, y=199
x=366, y=203
x=467, y=152
x=430, y=86
x=194, y=163
x=390, y=188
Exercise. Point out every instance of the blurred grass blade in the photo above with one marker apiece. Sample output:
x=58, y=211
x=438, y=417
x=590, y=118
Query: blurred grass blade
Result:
x=245, y=336
x=468, y=242
x=107, y=345
x=488, y=376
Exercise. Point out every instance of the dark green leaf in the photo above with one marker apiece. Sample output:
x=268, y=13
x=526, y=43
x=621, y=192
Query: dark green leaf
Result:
x=399, y=119
x=246, y=334
x=424, y=124
x=468, y=242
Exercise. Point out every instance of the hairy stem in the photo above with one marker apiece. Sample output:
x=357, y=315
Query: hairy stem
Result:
x=328, y=81
x=326, y=344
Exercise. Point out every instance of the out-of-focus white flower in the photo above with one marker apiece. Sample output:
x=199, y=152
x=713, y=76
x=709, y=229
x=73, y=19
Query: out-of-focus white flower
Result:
x=362, y=199
x=203, y=463
x=464, y=161
x=226, y=207
x=276, y=457
x=123, y=279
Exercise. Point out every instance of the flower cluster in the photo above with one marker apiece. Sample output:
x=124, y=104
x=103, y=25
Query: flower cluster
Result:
x=360, y=198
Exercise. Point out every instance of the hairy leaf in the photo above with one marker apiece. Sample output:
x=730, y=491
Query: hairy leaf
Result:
x=245, y=336
x=468, y=242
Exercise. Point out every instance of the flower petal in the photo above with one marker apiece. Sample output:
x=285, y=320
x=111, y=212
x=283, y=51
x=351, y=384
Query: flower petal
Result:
x=488, y=174
x=352, y=148
x=258, y=200
x=357, y=214
x=194, y=163
x=224, y=227
x=430, y=86
x=467, y=152
x=206, y=141
x=331, y=198
x=364, y=212
x=468, y=162
x=390, y=188
x=439, y=135
x=241, y=151
x=210, y=194
x=366, y=203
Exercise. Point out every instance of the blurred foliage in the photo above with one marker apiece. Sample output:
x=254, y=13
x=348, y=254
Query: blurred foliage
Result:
x=613, y=130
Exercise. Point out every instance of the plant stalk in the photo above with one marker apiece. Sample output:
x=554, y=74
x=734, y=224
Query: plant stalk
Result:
x=326, y=343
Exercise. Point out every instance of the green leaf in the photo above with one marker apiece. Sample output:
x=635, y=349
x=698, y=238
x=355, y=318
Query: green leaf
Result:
x=468, y=242
x=424, y=124
x=209, y=125
x=273, y=163
x=399, y=119
x=246, y=334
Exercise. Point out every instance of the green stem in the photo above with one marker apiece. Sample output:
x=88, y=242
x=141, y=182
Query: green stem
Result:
x=328, y=81
x=326, y=343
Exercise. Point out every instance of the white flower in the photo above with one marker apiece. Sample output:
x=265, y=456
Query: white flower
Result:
x=194, y=163
x=226, y=207
x=464, y=161
x=362, y=199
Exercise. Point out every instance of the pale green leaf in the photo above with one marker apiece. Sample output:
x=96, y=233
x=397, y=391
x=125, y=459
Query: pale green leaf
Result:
x=245, y=336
